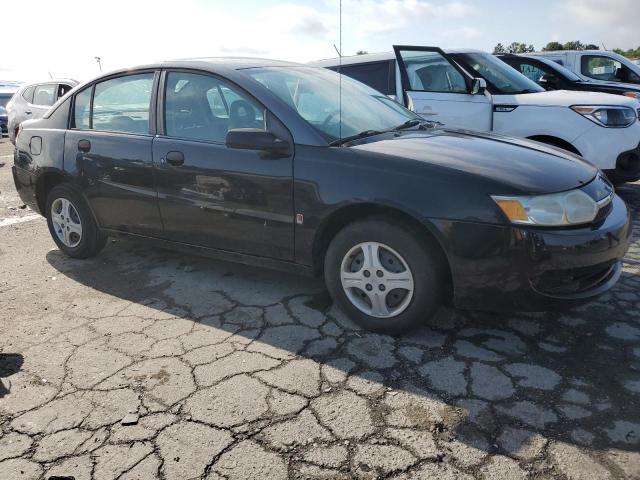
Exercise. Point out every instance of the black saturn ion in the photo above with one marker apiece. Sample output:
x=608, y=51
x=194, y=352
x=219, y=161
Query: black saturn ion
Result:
x=265, y=162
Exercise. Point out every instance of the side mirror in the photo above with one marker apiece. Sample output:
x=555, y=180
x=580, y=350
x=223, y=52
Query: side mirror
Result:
x=478, y=86
x=255, y=139
x=618, y=74
x=548, y=82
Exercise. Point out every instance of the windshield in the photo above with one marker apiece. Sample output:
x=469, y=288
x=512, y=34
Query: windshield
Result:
x=315, y=94
x=501, y=77
x=565, y=72
x=4, y=99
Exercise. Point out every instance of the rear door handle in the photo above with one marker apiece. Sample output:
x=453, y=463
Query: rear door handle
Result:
x=84, y=146
x=174, y=158
x=28, y=112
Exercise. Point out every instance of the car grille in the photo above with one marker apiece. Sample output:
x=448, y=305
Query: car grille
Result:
x=576, y=280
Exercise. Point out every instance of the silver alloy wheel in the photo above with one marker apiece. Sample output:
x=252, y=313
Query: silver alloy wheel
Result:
x=377, y=280
x=66, y=222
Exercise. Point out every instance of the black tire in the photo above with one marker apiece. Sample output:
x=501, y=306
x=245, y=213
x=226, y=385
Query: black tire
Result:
x=92, y=240
x=426, y=267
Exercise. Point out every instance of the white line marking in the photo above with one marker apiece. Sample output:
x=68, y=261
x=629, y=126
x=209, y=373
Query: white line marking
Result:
x=5, y=222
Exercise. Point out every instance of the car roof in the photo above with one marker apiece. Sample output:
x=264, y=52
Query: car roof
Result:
x=51, y=80
x=212, y=64
x=5, y=90
x=378, y=57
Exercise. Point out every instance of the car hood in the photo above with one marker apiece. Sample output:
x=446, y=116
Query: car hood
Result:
x=565, y=98
x=617, y=85
x=510, y=165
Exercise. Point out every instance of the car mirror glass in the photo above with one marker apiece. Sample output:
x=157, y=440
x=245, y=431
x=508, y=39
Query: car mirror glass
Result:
x=478, y=86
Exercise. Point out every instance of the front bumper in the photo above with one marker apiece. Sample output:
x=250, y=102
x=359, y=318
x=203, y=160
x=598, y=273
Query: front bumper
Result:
x=533, y=269
x=627, y=167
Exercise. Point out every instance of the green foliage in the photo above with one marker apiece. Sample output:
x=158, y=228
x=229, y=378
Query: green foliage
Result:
x=574, y=45
x=553, y=47
x=499, y=48
x=631, y=53
x=517, y=47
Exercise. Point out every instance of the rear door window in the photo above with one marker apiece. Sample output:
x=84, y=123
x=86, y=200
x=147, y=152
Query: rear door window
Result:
x=123, y=104
x=44, y=95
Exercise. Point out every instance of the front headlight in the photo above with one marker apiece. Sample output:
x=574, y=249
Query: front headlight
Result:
x=567, y=208
x=612, y=117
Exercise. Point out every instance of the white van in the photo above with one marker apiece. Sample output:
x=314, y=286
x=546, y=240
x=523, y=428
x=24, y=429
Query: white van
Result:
x=599, y=65
x=475, y=90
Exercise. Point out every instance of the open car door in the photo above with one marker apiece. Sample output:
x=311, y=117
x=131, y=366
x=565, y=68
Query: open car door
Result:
x=438, y=89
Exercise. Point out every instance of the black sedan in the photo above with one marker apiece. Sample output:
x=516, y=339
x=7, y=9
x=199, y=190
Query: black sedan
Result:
x=552, y=76
x=285, y=166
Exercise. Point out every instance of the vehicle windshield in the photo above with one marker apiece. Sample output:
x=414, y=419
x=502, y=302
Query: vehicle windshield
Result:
x=500, y=77
x=4, y=99
x=565, y=72
x=315, y=94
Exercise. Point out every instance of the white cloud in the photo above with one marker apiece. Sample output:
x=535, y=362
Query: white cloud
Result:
x=614, y=22
x=370, y=17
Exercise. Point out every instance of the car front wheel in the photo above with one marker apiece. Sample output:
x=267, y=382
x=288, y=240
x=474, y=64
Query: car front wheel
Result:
x=71, y=223
x=384, y=275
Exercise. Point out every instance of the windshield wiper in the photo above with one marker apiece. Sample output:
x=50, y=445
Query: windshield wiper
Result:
x=357, y=136
x=370, y=133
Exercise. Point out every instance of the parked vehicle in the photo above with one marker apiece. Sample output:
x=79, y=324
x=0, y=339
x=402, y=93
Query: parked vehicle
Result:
x=294, y=167
x=33, y=100
x=475, y=90
x=553, y=76
x=6, y=92
x=599, y=65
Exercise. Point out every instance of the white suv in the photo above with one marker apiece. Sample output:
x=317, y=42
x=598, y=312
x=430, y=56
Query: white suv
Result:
x=475, y=90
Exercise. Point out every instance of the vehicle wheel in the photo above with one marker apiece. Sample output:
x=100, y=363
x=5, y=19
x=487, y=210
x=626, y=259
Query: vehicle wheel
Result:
x=384, y=276
x=71, y=223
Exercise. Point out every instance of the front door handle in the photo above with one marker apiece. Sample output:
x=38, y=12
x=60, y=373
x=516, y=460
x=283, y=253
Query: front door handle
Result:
x=174, y=158
x=84, y=146
x=28, y=112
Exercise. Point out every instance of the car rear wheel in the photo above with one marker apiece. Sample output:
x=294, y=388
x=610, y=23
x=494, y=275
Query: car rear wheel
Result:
x=71, y=223
x=384, y=275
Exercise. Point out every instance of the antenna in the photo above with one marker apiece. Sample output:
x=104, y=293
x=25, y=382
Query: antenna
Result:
x=99, y=63
x=340, y=70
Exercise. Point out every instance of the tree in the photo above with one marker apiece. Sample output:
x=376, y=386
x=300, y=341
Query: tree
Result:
x=499, y=48
x=591, y=46
x=574, y=45
x=552, y=47
x=517, y=47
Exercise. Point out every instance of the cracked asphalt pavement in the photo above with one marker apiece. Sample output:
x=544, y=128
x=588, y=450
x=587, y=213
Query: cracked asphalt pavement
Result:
x=144, y=364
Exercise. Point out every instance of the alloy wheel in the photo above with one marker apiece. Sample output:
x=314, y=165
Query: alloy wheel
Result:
x=377, y=280
x=66, y=222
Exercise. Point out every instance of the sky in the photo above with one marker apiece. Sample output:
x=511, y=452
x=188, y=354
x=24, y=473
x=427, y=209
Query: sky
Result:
x=62, y=39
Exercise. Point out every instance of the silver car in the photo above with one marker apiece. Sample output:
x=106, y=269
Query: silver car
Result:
x=33, y=100
x=6, y=92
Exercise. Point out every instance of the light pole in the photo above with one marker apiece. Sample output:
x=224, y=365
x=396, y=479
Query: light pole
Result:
x=99, y=63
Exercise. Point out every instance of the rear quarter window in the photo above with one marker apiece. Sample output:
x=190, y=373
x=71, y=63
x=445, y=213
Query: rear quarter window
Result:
x=28, y=94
